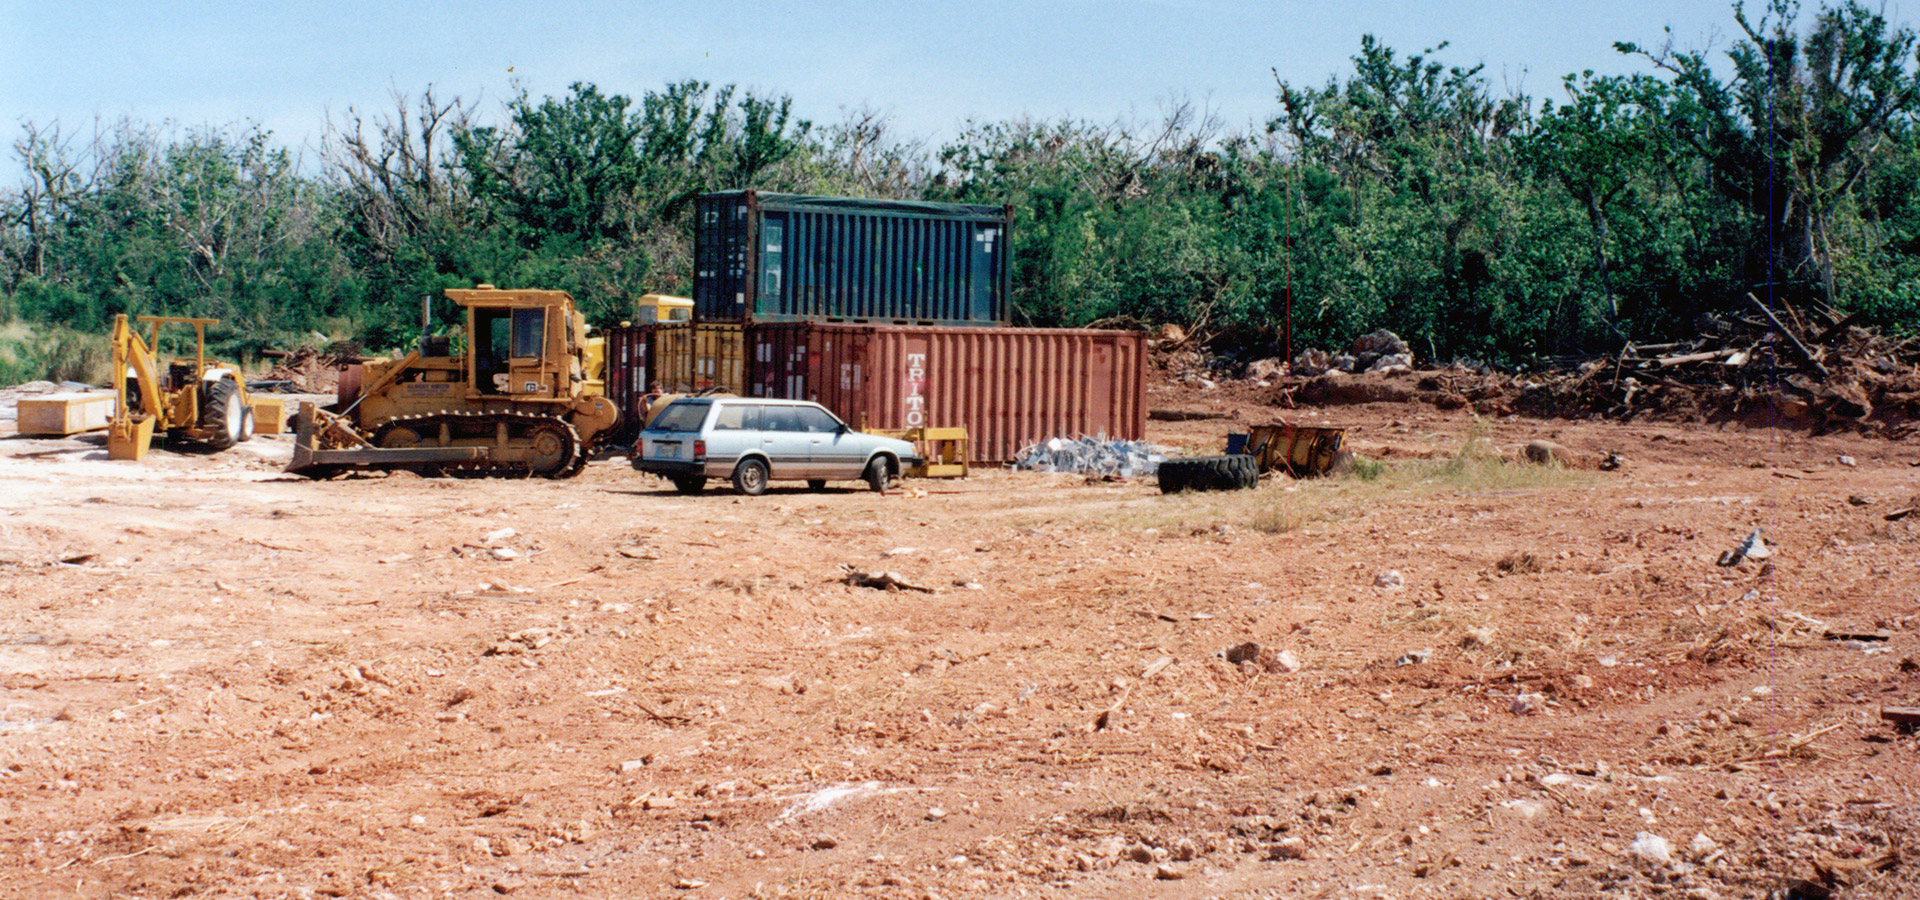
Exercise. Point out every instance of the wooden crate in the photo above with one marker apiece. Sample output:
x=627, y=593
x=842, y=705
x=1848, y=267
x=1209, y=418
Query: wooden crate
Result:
x=58, y=415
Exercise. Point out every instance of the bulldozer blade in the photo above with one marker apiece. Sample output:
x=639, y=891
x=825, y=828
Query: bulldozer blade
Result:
x=311, y=421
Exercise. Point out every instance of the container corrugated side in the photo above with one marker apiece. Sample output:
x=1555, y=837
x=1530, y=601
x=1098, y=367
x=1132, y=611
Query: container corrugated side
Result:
x=1009, y=387
x=791, y=258
x=629, y=370
x=700, y=356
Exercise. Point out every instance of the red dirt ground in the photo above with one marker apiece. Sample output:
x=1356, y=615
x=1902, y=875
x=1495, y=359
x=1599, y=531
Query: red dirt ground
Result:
x=222, y=682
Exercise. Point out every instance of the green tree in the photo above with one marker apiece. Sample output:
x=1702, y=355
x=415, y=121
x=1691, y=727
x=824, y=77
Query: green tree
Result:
x=1797, y=128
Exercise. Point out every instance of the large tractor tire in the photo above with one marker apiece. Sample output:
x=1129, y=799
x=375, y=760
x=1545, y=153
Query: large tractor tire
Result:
x=222, y=411
x=1209, y=473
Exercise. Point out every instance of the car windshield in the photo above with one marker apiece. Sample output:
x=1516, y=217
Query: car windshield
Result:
x=681, y=415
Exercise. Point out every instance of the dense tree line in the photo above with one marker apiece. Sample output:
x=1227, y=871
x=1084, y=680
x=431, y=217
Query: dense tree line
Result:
x=1405, y=194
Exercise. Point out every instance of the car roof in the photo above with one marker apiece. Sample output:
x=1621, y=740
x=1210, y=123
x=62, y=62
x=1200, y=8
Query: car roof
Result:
x=768, y=401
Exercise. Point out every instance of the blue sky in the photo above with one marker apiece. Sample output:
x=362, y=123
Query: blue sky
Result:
x=929, y=66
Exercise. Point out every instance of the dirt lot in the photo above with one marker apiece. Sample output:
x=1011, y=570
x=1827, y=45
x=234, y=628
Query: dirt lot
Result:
x=1472, y=679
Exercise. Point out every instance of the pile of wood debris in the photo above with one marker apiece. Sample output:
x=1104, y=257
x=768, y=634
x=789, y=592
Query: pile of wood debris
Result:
x=308, y=370
x=1777, y=367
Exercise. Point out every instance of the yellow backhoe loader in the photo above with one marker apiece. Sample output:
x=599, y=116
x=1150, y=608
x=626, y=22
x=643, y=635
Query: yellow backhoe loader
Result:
x=201, y=401
x=523, y=398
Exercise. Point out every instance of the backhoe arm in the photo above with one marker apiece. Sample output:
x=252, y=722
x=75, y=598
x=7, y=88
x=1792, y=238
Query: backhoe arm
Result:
x=138, y=406
x=132, y=353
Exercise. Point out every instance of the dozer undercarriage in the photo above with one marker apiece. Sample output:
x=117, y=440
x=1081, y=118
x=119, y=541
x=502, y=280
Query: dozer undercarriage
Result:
x=524, y=399
x=458, y=444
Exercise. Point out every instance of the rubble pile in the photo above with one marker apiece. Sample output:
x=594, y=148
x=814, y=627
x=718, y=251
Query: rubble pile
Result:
x=309, y=370
x=1378, y=351
x=1771, y=368
x=1091, y=456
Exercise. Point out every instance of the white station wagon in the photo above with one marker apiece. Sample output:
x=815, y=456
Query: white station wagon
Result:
x=755, y=441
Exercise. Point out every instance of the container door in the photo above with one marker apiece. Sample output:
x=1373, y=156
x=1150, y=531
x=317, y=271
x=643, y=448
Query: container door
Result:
x=773, y=231
x=984, y=268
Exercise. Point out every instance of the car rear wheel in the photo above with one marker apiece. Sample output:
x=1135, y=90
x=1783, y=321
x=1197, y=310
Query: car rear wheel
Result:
x=689, y=484
x=750, y=477
x=816, y=484
x=876, y=475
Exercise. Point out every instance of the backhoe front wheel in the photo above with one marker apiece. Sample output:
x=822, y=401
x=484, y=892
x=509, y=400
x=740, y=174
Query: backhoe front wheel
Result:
x=222, y=412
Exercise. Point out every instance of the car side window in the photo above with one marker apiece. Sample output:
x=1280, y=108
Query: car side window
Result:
x=780, y=418
x=734, y=417
x=816, y=420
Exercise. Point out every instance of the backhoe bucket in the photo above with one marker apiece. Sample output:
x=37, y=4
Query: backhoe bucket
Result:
x=129, y=438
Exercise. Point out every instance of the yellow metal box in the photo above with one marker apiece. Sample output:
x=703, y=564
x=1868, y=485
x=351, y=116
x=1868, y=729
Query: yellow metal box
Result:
x=269, y=415
x=58, y=415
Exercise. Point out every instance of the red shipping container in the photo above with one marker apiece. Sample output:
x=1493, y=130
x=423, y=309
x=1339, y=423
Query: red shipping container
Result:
x=630, y=367
x=1009, y=387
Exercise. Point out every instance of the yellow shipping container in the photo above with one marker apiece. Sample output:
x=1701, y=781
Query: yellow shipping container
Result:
x=692, y=357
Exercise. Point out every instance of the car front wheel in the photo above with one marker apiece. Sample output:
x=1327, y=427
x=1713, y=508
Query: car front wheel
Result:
x=877, y=473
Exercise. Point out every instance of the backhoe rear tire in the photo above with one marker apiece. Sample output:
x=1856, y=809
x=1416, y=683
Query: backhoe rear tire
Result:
x=222, y=411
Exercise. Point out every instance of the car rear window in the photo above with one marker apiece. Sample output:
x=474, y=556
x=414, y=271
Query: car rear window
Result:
x=681, y=415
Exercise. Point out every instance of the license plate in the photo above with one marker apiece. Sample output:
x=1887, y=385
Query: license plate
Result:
x=665, y=450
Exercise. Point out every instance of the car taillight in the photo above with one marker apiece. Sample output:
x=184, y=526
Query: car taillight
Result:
x=699, y=450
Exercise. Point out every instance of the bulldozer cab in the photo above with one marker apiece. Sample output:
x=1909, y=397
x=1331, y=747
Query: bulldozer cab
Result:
x=523, y=343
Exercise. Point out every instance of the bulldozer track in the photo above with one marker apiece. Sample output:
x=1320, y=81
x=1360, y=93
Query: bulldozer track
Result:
x=521, y=426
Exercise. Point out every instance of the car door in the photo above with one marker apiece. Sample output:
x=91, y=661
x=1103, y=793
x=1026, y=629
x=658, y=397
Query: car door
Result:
x=786, y=442
x=837, y=452
x=735, y=430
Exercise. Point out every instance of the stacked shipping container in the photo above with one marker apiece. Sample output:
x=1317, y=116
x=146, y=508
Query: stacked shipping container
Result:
x=792, y=258
x=891, y=314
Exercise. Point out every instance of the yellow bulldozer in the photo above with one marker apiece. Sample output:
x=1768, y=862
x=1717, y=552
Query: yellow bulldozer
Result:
x=199, y=401
x=523, y=397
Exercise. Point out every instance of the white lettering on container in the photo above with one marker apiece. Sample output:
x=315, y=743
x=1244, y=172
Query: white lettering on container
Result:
x=916, y=399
